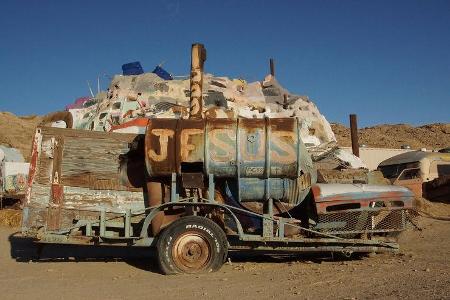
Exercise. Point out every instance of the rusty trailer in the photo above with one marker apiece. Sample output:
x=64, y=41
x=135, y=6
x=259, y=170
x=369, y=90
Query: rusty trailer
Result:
x=196, y=188
x=195, y=205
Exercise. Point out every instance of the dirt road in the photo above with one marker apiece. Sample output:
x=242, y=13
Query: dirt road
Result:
x=421, y=270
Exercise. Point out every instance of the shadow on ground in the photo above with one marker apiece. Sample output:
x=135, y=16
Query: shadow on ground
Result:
x=25, y=250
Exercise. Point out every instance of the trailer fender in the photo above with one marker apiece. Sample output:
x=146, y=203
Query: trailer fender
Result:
x=154, y=211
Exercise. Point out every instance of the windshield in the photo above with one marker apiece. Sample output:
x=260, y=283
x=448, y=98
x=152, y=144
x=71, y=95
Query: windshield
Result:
x=392, y=171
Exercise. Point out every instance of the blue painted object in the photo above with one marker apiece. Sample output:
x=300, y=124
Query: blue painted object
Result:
x=133, y=68
x=162, y=73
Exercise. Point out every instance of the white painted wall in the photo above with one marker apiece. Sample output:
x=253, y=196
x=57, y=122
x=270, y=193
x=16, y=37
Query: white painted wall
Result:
x=373, y=156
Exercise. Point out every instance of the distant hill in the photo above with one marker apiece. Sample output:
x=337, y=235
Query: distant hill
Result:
x=18, y=132
x=431, y=136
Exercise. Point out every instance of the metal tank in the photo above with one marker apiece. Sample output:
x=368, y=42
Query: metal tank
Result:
x=262, y=158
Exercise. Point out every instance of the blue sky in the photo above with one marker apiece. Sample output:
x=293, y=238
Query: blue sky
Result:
x=387, y=61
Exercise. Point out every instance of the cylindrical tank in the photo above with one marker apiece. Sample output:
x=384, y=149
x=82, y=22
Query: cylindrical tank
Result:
x=227, y=148
x=287, y=190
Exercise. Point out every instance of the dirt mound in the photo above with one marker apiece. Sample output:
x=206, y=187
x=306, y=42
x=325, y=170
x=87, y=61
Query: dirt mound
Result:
x=433, y=209
x=18, y=132
x=431, y=136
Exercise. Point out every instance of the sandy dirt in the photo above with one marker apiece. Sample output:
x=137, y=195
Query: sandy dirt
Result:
x=420, y=271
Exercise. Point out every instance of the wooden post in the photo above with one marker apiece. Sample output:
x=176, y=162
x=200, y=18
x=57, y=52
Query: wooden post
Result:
x=354, y=134
x=272, y=67
x=198, y=57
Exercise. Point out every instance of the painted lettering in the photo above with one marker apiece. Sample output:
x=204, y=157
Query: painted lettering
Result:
x=286, y=142
x=186, y=148
x=221, y=150
x=164, y=135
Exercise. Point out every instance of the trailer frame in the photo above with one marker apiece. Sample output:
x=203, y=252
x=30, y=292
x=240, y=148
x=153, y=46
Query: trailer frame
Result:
x=267, y=241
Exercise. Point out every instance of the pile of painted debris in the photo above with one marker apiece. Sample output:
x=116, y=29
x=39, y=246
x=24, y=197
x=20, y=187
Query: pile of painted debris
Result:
x=150, y=95
x=13, y=175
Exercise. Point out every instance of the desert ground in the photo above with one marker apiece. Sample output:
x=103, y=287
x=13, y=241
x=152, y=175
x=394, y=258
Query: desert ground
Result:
x=421, y=270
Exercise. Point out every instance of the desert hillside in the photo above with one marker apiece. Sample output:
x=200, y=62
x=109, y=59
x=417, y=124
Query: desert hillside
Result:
x=430, y=136
x=17, y=132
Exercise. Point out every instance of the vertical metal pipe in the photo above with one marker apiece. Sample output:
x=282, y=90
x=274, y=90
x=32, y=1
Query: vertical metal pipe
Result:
x=272, y=67
x=173, y=188
x=281, y=227
x=238, y=159
x=268, y=130
x=268, y=218
x=354, y=134
x=88, y=229
x=198, y=57
x=270, y=207
x=127, y=222
x=102, y=223
x=211, y=188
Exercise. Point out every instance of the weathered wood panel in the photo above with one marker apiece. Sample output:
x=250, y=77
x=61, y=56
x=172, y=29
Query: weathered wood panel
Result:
x=45, y=161
x=84, y=166
x=40, y=194
x=97, y=200
x=90, y=159
x=112, y=136
x=93, y=163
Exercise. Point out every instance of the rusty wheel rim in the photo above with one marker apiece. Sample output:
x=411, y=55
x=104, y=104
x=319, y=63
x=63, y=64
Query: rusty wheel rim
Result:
x=191, y=252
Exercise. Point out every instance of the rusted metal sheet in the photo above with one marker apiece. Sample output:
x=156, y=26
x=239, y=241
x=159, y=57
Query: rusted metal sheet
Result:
x=333, y=197
x=160, y=146
x=411, y=179
x=415, y=185
x=192, y=180
x=361, y=209
x=57, y=194
x=260, y=148
x=158, y=194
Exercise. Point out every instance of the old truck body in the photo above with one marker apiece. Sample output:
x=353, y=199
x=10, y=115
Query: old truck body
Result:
x=251, y=179
x=427, y=174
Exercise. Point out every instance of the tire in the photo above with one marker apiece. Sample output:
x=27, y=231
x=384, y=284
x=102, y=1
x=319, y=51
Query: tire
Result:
x=191, y=244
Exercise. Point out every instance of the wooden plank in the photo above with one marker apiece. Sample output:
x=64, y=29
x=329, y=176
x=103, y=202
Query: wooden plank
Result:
x=53, y=131
x=93, y=163
x=40, y=194
x=45, y=162
x=110, y=200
